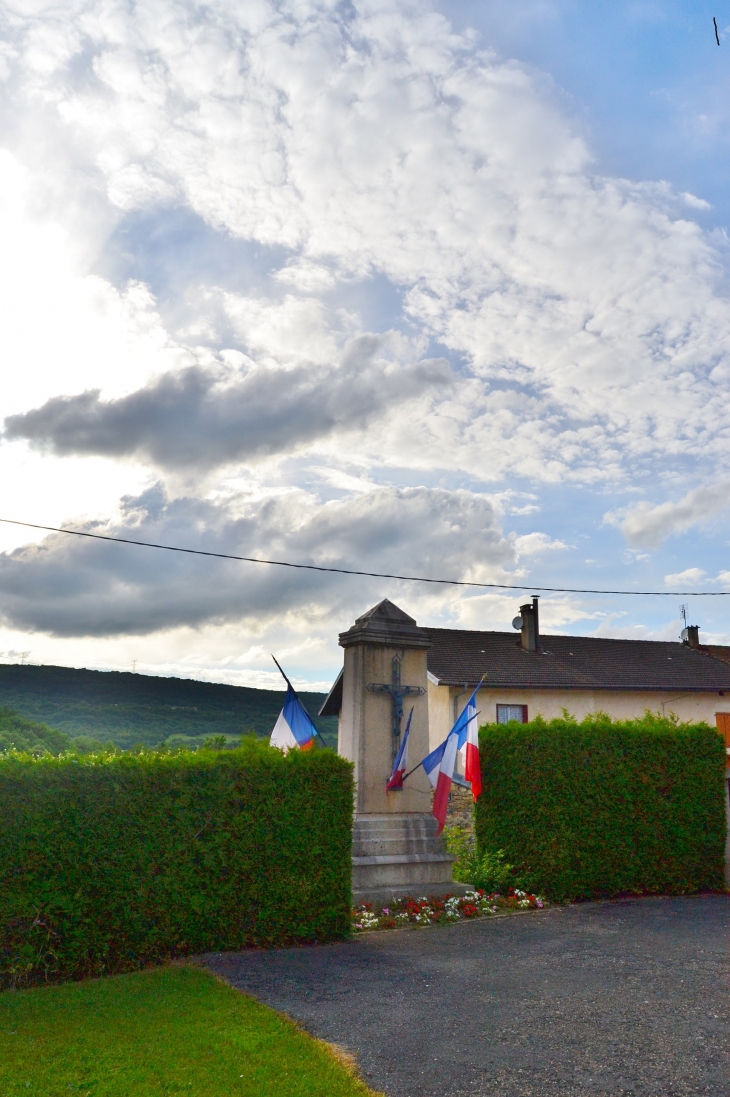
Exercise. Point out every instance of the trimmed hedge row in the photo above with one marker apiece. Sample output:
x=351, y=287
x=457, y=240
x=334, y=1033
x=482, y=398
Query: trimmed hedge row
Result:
x=599, y=808
x=108, y=862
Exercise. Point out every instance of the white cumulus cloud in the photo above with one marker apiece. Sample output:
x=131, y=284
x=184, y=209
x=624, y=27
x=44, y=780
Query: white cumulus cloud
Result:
x=647, y=525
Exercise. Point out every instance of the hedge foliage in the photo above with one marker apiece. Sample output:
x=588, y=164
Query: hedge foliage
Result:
x=108, y=862
x=598, y=808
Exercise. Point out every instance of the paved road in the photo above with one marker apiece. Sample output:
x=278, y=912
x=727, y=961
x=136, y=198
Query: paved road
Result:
x=627, y=997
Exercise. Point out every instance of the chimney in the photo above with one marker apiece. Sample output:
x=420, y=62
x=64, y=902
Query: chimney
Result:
x=693, y=636
x=530, y=636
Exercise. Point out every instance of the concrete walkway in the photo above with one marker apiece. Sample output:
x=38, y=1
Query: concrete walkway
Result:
x=627, y=997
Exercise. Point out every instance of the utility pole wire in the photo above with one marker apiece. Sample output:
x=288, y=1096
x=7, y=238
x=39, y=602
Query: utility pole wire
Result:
x=371, y=574
x=717, y=36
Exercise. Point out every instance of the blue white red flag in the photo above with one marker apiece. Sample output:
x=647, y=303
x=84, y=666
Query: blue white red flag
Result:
x=294, y=728
x=441, y=762
x=395, y=781
x=439, y=766
x=469, y=745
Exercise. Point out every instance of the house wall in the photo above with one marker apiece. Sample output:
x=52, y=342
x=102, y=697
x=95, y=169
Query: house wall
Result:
x=549, y=703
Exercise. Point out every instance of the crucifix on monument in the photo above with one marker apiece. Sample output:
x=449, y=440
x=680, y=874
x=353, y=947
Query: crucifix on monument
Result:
x=397, y=692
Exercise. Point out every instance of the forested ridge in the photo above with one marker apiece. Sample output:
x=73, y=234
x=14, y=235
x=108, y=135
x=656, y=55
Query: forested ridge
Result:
x=128, y=709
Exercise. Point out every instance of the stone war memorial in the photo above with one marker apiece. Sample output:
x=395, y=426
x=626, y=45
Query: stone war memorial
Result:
x=395, y=848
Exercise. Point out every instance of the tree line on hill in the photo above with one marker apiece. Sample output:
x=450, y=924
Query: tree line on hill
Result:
x=65, y=708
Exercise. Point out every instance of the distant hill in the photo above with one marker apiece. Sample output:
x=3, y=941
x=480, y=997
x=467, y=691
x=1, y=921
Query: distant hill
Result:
x=129, y=708
x=17, y=733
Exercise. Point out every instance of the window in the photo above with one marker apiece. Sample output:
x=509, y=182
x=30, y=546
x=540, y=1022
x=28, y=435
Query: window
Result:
x=505, y=713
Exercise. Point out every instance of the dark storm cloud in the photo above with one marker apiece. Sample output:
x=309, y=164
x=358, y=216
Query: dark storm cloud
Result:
x=201, y=418
x=69, y=586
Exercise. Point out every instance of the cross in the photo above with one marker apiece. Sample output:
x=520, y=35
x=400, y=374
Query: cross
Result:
x=397, y=693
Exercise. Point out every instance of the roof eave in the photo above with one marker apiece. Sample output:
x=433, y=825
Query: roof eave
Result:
x=333, y=701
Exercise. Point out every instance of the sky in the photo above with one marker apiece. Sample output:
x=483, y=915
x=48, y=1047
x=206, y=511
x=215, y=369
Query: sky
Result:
x=427, y=288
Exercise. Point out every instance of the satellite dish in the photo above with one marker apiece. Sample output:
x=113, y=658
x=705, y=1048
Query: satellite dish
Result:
x=684, y=635
x=517, y=623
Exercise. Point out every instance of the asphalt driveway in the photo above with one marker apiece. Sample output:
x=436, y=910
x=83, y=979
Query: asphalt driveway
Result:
x=626, y=997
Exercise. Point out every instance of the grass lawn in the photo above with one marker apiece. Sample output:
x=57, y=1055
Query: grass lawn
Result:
x=171, y=1030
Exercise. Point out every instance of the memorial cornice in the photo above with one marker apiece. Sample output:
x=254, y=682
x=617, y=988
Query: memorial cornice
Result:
x=388, y=625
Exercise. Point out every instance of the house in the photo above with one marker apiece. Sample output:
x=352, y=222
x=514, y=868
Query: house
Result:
x=526, y=674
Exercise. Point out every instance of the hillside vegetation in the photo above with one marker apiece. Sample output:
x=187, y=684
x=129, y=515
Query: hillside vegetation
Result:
x=17, y=733
x=127, y=709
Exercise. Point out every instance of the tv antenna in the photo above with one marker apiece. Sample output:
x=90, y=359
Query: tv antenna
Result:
x=684, y=634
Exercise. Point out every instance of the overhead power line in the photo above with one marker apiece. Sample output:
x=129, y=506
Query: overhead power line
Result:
x=369, y=574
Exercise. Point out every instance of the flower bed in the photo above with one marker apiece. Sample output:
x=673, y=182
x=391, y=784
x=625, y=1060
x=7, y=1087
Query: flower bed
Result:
x=442, y=910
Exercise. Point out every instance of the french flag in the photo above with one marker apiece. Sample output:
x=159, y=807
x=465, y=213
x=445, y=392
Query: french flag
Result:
x=469, y=745
x=294, y=728
x=395, y=781
x=439, y=766
x=441, y=762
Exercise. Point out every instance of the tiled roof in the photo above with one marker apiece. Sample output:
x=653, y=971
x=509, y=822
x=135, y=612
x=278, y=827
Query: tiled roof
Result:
x=717, y=651
x=460, y=657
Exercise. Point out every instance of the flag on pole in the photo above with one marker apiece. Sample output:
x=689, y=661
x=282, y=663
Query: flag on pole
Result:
x=469, y=745
x=441, y=762
x=295, y=727
x=395, y=781
x=439, y=766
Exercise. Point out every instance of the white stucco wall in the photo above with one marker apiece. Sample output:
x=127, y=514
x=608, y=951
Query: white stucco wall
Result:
x=549, y=703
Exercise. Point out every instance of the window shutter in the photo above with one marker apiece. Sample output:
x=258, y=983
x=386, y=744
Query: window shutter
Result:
x=722, y=720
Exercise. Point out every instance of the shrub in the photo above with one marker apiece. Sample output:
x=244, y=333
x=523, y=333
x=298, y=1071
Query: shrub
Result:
x=486, y=870
x=599, y=808
x=108, y=862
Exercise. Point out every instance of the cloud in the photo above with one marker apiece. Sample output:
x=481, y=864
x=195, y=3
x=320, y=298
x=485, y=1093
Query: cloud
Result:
x=207, y=209
x=58, y=321
x=201, y=418
x=532, y=544
x=369, y=146
x=647, y=525
x=690, y=577
x=73, y=587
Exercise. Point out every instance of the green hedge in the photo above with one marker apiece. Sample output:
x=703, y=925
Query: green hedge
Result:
x=599, y=808
x=108, y=862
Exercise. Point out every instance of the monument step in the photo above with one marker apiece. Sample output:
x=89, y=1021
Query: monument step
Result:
x=390, y=832
x=403, y=859
x=414, y=875
x=399, y=844
x=384, y=830
x=382, y=895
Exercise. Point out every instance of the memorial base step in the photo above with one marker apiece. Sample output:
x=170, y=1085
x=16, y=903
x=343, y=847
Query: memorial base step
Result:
x=395, y=856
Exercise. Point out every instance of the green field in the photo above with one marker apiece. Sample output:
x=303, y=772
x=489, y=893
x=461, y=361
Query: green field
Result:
x=172, y=1030
x=128, y=709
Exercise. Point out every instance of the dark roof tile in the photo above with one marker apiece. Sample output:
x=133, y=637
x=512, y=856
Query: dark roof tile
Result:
x=460, y=657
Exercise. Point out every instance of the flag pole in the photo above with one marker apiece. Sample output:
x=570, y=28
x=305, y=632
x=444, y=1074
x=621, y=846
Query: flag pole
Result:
x=282, y=672
x=291, y=687
x=410, y=771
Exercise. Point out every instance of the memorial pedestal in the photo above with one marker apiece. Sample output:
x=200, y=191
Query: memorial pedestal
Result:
x=395, y=848
x=394, y=856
